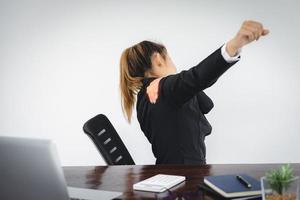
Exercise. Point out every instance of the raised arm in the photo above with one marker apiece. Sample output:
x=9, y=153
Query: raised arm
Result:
x=180, y=87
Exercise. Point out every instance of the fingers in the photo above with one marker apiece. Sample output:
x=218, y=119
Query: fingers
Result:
x=248, y=33
x=256, y=29
x=151, y=94
x=265, y=32
x=152, y=91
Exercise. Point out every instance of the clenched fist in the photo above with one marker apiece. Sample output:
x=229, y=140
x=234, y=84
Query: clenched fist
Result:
x=249, y=31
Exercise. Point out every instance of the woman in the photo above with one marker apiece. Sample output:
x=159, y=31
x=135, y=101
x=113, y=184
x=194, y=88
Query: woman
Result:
x=171, y=107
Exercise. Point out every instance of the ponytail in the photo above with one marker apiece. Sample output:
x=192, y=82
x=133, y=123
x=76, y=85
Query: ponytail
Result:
x=134, y=62
x=128, y=85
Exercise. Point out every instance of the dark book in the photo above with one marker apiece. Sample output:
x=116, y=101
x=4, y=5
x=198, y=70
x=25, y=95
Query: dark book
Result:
x=229, y=186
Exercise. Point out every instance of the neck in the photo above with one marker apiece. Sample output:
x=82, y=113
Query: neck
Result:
x=150, y=74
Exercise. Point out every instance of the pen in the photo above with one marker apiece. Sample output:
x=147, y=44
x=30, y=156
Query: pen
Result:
x=243, y=181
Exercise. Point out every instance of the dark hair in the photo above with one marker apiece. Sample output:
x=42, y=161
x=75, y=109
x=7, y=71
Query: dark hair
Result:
x=134, y=62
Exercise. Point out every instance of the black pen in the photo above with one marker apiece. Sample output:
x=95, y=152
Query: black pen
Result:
x=243, y=181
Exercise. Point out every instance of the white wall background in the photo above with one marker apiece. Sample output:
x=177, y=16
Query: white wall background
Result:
x=59, y=67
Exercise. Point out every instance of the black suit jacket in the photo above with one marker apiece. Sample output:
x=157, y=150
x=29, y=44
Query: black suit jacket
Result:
x=175, y=125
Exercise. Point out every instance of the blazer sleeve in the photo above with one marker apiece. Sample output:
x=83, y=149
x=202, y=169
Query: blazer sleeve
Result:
x=181, y=87
x=205, y=103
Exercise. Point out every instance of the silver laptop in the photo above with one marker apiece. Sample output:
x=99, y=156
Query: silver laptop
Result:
x=30, y=170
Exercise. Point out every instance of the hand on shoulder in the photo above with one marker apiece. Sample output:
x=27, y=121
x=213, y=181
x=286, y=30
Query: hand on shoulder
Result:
x=152, y=90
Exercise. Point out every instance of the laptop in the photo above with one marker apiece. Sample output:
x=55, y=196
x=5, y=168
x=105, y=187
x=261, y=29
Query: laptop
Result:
x=30, y=170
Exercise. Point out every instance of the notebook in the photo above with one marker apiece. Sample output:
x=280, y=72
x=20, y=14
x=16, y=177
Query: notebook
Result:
x=230, y=187
x=158, y=183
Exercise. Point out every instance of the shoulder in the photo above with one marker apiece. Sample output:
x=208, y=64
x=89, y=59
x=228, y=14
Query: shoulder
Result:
x=149, y=85
x=146, y=81
x=141, y=95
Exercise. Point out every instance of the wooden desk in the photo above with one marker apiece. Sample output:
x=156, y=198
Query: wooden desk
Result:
x=121, y=178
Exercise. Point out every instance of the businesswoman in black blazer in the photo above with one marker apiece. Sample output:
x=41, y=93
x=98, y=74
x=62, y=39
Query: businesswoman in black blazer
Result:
x=171, y=106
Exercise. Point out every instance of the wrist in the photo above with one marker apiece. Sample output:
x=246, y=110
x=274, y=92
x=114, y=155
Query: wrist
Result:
x=232, y=48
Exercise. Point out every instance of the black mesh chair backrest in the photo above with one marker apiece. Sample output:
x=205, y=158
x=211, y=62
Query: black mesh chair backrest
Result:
x=107, y=141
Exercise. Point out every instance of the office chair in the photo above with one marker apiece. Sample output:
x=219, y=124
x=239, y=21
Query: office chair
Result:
x=107, y=141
